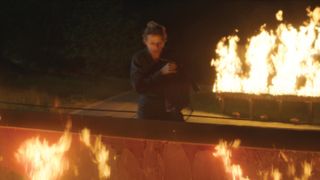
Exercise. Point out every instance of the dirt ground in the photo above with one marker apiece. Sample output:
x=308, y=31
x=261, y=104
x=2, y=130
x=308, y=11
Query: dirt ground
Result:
x=127, y=102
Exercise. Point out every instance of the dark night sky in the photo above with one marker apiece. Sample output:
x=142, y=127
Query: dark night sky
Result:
x=194, y=26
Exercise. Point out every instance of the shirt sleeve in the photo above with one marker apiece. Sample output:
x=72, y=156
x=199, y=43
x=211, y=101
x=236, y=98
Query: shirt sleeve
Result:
x=141, y=81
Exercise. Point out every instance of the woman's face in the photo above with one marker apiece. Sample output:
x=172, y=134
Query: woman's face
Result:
x=155, y=44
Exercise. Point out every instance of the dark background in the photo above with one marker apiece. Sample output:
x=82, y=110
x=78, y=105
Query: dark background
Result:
x=98, y=37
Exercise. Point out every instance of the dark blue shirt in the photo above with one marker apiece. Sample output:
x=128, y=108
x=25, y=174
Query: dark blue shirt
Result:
x=148, y=82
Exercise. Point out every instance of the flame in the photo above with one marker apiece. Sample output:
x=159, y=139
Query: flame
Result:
x=307, y=171
x=101, y=154
x=276, y=174
x=284, y=61
x=44, y=161
x=306, y=168
x=223, y=151
x=279, y=15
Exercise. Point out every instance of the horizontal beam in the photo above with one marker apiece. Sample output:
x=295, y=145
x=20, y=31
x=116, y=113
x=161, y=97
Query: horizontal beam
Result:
x=166, y=130
x=291, y=98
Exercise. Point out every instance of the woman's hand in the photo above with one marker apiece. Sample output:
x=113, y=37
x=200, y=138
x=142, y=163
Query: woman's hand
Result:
x=169, y=68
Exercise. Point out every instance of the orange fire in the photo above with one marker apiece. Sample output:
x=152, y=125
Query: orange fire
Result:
x=223, y=151
x=42, y=160
x=100, y=152
x=307, y=170
x=284, y=61
x=276, y=174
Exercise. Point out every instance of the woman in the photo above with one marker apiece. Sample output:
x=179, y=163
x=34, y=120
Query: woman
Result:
x=151, y=74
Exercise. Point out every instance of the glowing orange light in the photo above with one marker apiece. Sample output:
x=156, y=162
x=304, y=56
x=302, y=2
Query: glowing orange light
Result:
x=284, y=61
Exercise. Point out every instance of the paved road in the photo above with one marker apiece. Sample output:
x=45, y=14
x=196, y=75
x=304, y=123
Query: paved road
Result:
x=127, y=101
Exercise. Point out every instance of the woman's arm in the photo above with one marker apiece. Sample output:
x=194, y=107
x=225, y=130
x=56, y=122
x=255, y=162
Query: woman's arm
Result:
x=139, y=80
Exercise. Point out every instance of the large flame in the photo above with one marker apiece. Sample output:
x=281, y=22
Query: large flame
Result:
x=100, y=152
x=284, y=61
x=42, y=160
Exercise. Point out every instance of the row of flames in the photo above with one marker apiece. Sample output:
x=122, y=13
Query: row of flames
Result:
x=223, y=151
x=44, y=161
x=283, y=61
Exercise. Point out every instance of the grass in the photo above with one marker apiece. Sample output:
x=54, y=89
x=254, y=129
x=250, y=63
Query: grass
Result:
x=58, y=90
